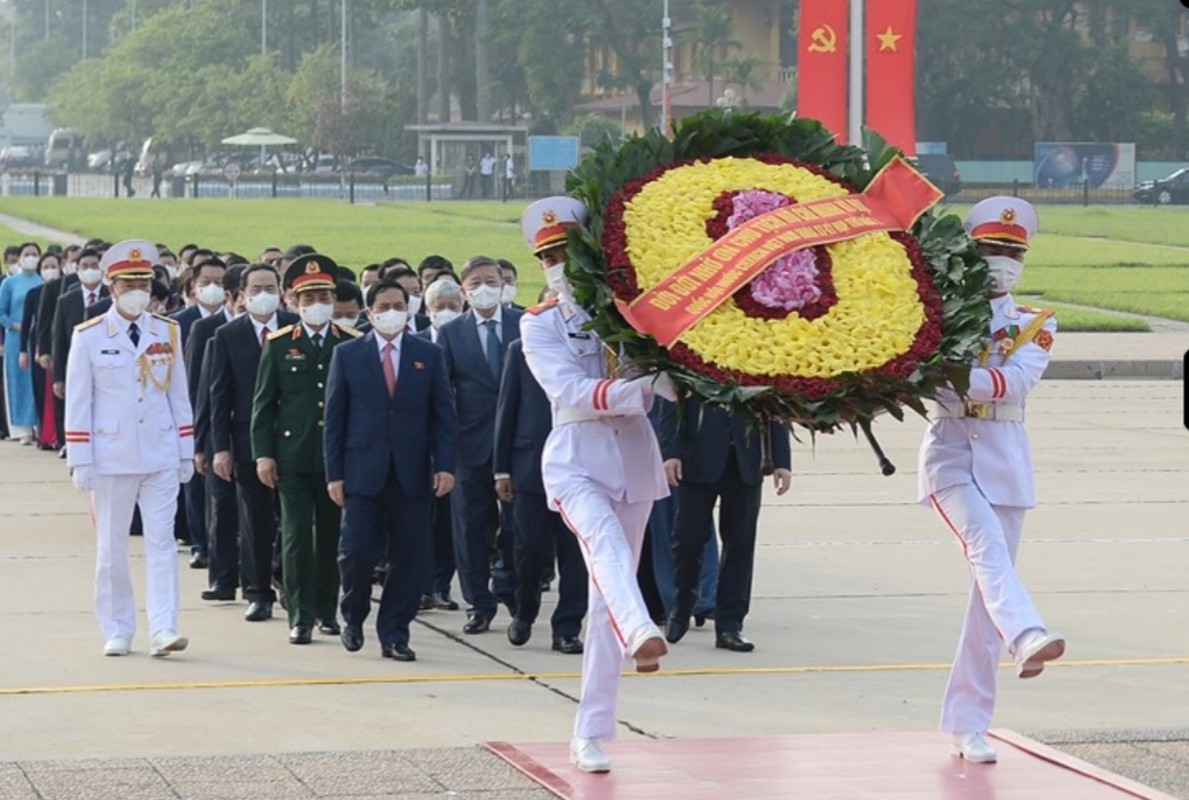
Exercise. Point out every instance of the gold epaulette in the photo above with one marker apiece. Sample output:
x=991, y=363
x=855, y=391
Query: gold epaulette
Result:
x=285, y=331
x=164, y=318
x=542, y=307
x=1030, y=310
x=354, y=333
x=89, y=323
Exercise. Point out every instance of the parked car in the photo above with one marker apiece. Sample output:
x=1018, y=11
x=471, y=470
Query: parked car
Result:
x=99, y=161
x=941, y=171
x=1172, y=188
x=374, y=166
x=62, y=149
x=18, y=157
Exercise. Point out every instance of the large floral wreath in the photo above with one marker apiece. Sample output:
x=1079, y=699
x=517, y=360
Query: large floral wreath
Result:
x=822, y=337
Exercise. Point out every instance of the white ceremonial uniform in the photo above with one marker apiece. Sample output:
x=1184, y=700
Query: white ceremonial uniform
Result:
x=128, y=417
x=976, y=471
x=602, y=471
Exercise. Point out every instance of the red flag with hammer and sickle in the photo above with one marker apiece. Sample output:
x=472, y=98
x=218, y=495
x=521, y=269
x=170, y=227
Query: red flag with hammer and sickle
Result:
x=822, y=63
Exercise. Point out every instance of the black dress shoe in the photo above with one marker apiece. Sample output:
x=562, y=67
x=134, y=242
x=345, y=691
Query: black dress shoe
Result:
x=570, y=645
x=329, y=627
x=199, y=561
x=218, y=593
x=426, y=603
x=398, y=652
x=352, y=638
x=519, y=632
x=700, y=618
x=258, y=611
x=301, y=634
x=443, y=602
x=733, y=641
x=479, y=623
x=676, y=627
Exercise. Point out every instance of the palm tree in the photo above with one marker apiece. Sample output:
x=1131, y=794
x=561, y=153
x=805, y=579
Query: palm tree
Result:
x=713, y=38
x=742, y=73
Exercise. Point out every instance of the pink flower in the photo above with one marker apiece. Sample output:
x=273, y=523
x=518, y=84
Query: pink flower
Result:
x=790, y=283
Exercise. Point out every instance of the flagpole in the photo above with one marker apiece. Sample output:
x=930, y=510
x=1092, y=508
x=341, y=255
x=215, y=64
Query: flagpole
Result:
x=666, y=72
x=858, y=43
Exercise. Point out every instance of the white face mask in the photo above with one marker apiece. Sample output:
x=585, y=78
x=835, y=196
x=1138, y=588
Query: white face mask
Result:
x=50, y=274
x=133, y=302
x=171, y=270
x=414, y=304
x=508, y=293
x=484, y=297
x=211, y=295
x=390, y=322
x=90, y=276
x=1005, y=272
x=263, y=304
x=345, y=322
x=440, y=318
x=555, y=278
x=317, y=315
x=28, y=263
x=71, y=267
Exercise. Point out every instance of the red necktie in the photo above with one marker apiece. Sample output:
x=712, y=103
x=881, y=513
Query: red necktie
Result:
x=263, y=335
x=389, y=370
x=90, y=299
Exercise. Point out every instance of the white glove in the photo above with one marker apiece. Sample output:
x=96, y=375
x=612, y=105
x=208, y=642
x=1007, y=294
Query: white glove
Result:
x=83, y=478
x=185, y=470
x=662, y=387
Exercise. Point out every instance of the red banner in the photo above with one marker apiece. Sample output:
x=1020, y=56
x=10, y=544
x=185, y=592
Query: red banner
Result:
x=822, y=63
x=894, y=200
x=890, y=41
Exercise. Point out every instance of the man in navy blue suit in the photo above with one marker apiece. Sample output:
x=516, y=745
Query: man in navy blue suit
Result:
x=389, y=448
x=712, y=456
x=474, y=347
x=523, y=421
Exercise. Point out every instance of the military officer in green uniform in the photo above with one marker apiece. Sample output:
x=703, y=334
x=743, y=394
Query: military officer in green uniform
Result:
x=287, y=445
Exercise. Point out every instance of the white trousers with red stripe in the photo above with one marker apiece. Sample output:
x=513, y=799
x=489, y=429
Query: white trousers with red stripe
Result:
x=998, y=610
x=611, y=535
x=112, y=503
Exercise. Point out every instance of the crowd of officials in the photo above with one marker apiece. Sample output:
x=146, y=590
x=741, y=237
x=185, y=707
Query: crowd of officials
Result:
x=445, y=448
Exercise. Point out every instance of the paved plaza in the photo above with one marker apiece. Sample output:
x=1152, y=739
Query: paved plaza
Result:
x=857, y=602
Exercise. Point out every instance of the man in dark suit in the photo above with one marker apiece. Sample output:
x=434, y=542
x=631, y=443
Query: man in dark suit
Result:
x=712, y=456
x=523, y=420
x=233, y=363
x=474, y=347
x=389, y=447
x=70, y=309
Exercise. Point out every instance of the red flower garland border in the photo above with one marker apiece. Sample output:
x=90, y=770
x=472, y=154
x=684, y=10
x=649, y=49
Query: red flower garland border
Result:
x=621, y=277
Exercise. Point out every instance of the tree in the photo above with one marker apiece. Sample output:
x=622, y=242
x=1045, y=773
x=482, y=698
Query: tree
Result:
x=713, y=39
x=631, y=30
x=743, y=72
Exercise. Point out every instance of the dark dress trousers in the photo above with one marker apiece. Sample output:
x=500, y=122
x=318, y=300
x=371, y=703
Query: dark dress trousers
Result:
x=522, y=424
x=385, y=450
x=192, y=495
x=70, y=310
x=441, y=572
x=476, y=512
x=233, y=363
x=720, y=461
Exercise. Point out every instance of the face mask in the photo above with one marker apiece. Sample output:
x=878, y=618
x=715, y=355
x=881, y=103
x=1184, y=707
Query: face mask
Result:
x=555, y=278
x=171, y=270
x=211, y=295
x=70, y=268
x=90, y=275
x=28, y=263
x=440, y=318
x=134, y=301
x=484, y=297
x=50, y=274
x=348, y=322
x=508, y=293
x=263, y=304
x=317, y=315
x=390, y=322
x=1005, y=272
x=414, y=304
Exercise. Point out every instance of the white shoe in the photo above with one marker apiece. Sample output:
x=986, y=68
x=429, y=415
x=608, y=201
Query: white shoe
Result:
x=117, y=646
x=974, y=748
x=646, y=647
x=1034, y=647
x=165, y=642
x=586, y=755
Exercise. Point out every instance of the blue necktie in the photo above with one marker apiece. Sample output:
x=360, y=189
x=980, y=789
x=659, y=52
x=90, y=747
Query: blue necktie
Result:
x=494, y=356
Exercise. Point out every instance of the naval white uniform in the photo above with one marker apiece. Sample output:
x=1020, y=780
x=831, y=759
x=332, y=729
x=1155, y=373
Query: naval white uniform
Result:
x=976, y=472
x=602, y=471
x=128, y=418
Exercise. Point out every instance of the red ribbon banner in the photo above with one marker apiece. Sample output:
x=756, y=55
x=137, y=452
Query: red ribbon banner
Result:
x=893, y=201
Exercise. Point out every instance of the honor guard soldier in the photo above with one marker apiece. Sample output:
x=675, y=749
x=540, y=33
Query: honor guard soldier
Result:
x=287, y=428
x=976, y=471
x=129, y=442
x=601, y=468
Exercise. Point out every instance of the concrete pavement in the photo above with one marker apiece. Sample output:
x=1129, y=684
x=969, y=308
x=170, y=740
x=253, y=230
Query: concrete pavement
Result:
x=857, y=602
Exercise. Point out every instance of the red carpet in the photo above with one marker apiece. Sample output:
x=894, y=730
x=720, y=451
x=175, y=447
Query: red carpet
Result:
x=903, y=766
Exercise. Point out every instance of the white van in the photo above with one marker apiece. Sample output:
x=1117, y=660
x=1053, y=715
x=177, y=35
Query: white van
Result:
x=64, y=148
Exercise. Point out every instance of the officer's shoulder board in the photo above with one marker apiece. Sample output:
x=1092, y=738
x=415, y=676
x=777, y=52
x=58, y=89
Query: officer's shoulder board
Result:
x=280, y=332
x=164, y=318
x=354, y=333
x=89, y=323
x=540, y=308
x=1030, y=310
